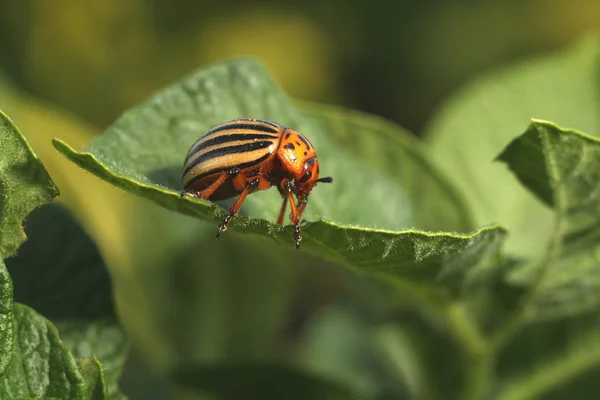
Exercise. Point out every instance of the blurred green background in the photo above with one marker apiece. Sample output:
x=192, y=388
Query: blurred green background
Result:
x=69, y=68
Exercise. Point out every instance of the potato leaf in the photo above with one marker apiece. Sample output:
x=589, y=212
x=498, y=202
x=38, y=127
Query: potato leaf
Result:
x=558, y=321
x=60, y=273
x=34, y=361
x=24, y=185
x=372, y=219
x=41, y=367
x=481, y=117
x=562, y=168
x=143, y=154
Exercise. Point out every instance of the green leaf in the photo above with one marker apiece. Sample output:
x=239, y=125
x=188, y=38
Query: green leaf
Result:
x=60, y=273
x=376, y=249
x=557, y=325
x=7, y=332
x=42, y=367
x=245, y=319
x=266, y=303
x=24, y=185
x=472, y=125
x=253, y=305
x=562, y=168
x=34, y=362
x=436, y=204
x=94, y=379
x=143, y=153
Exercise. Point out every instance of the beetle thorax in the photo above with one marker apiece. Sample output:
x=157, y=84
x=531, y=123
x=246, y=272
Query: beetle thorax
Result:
x=294, y=150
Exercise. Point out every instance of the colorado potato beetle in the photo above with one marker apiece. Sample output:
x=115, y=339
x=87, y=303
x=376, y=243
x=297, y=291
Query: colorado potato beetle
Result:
x=245, y=155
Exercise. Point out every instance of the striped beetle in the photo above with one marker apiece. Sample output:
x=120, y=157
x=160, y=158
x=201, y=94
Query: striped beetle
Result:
x=242, y=156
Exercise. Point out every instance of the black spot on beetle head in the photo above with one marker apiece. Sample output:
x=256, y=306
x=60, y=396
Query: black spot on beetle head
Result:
x=306, y=176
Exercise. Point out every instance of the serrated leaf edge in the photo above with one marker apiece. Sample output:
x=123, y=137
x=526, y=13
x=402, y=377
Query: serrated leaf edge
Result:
x=74, y=155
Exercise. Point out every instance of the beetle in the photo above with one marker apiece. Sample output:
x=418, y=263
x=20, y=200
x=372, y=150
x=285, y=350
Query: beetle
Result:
x=242, y=156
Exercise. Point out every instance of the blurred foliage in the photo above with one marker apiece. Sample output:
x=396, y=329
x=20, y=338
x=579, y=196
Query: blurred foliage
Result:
x=182, y=299
x=457, y=298
x=561, y=88
x=102, y=213
x=396, y=59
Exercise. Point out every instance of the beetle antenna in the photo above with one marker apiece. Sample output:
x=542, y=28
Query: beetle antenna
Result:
x=326, y=179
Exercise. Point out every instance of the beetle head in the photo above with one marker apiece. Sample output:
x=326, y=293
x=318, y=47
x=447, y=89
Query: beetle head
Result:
x=299, y=159
x=309, y=177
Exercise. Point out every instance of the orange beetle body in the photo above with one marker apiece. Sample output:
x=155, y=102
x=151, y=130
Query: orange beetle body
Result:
x=242, y=156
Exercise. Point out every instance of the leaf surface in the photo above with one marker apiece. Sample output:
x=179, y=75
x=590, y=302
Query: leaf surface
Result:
x=94, y=379
x=143, y=153
x=60, y=273
x=436, y=204
x=562, y=168
x=479, y=119
x=34, y=362
x=41, y=367
x=558, y=324
x=363, y=220
x=24, y=185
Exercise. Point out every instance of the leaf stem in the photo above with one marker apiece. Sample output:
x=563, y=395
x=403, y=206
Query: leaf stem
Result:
x=480, y=357
x=464, y=330
x=481, y=371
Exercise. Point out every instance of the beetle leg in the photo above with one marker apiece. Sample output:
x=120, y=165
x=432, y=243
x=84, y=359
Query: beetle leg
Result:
x=296, y=222
x=206, y=193
x=294, y=216
x=235, y=208
x=209, y=191
x=282, y=212
x=301, y=206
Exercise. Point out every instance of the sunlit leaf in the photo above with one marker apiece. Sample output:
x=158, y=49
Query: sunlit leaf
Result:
x=560, y=316
x=481, y=117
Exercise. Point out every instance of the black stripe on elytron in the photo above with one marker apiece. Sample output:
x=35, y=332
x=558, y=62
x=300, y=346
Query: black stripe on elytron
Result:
x=229, y=138
x=221, y=151
x=243, y=125
x=304, y=141
x=275, y=124
x=225, y=169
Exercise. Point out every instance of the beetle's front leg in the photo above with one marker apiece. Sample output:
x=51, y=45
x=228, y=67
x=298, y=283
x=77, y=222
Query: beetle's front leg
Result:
x=288, y=190
x=302, y=203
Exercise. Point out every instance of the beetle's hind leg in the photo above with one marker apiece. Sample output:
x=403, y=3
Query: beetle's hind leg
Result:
x=213, y=187
x=235, y=208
